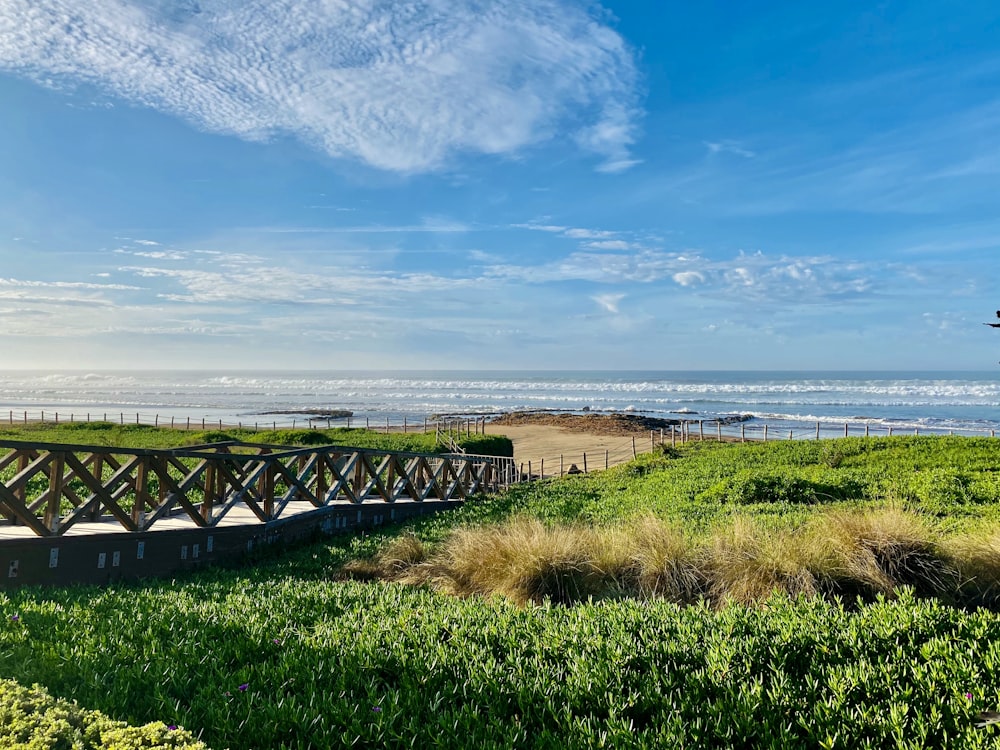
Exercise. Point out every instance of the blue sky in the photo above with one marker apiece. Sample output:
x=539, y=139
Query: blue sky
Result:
x=509, y=184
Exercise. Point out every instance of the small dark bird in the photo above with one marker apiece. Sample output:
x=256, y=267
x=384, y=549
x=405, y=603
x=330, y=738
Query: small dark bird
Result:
x=985, y=718
x=992, y=325
x=998, y=313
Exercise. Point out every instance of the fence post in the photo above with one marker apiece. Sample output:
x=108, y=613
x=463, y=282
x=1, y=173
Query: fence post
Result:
x=404, y=425
x=607, y=458
x=673, y=437
x=560, y=464
x=585, y=461
x=633, y=447
x=529, y=470
x=743, y=432
x=817, y=430
x=890, y=430
x=765, y=433
x=866, y=429
x=701, y=430
x=790, y=435
x=541, y=469
x=845, y=429
x=651, y=444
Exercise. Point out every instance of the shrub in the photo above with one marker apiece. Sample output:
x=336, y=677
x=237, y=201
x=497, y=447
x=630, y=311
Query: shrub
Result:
x=33, y=719
x=751, y=486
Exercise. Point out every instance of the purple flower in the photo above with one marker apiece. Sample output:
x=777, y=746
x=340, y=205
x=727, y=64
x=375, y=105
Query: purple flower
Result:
x=172, y=727
x=244, y=686
x=277, y=641
x=968, y=696
x=377, y=709
x=15, y=618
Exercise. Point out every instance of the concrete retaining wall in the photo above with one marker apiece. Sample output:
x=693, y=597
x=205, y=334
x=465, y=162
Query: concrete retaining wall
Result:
x=105, y=557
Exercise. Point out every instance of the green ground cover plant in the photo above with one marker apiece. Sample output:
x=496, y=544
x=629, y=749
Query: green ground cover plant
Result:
x=281, y=656
x=287, y=654
x=31, y=718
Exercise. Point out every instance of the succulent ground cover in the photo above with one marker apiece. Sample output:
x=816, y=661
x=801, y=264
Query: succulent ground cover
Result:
x=287, y=654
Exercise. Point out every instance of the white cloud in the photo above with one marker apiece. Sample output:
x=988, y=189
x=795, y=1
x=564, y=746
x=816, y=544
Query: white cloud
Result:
x=689, y=278
x=245, y=278
x=400, y=85
x=609, y=245
x=31, y=284
x=729, y=147
x=758, y=276
x=609, y=301
x=588, y=234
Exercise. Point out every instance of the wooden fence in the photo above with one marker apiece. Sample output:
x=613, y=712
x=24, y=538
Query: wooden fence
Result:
x=50, y=488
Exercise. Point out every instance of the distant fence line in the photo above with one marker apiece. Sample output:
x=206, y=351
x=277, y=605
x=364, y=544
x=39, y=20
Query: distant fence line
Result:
x=685, y=431
x=471, y=425
x=688, y=431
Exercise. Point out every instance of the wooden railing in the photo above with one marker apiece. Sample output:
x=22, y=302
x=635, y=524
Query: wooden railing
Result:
x=50, y=488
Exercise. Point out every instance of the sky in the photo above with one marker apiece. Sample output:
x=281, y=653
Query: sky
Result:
x=506, y=184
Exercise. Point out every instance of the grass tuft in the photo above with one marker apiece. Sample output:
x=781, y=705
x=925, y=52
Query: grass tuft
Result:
x=975, y=556
x=746, y=564
x=665, y=564
x=873, y=552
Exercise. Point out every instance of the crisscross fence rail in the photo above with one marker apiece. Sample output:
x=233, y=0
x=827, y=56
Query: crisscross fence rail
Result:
x=52, y=488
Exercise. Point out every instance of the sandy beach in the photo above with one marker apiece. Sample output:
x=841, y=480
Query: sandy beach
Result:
x=564, y=440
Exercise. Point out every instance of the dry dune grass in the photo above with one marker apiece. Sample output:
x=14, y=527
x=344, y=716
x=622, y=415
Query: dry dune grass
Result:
x=976, y=558
x=746, y=563
x=846, y=553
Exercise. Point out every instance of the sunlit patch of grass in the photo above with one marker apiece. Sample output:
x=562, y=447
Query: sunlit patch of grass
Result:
x=842, y=553
x=746, y=563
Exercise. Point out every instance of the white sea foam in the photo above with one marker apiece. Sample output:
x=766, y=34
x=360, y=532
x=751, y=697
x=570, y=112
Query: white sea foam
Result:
x=908, y=398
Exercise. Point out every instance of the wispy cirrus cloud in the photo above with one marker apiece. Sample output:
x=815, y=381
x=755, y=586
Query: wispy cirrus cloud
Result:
x=9, y=284
x=399, y=85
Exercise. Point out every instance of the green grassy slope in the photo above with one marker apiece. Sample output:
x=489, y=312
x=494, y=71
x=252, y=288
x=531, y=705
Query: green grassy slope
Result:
x=329, y=663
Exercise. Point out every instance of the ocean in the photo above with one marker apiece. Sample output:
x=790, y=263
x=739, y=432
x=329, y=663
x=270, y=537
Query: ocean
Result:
x=928, y=401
